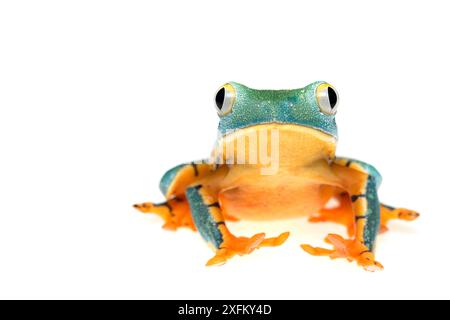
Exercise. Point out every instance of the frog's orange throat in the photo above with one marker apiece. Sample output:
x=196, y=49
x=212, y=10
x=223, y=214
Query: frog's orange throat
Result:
x=261, y=145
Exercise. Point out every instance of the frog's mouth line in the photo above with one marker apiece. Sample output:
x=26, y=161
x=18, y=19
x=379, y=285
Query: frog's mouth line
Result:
x=279, y=124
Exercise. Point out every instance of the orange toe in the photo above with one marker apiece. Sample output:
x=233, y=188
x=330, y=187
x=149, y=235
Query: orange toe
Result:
x=145, y=207
x=315, y=251
x=221, y=257
x=243, y=245
x=233, y=246
x=349, y=249
x=407, y=215
x=276, y=241
x=367, y=261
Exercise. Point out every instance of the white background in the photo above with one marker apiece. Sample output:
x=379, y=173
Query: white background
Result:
x=99, y=98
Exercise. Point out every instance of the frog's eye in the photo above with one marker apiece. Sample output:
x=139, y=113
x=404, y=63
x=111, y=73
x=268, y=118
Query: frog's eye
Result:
x=225, y=98
x=327, y=98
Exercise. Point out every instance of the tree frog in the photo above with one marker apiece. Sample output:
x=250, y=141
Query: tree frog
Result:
x=275, y=159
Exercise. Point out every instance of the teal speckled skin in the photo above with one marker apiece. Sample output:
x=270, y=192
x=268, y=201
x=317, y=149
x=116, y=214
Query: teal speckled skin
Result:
x=297, y=106
x=168, y=177
x=202, y=217
x=372, y=213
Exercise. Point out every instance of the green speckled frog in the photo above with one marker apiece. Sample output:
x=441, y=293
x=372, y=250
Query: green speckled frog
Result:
x=275, y=159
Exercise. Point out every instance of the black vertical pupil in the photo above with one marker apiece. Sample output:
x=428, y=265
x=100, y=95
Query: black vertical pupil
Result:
x=332, y=97
x=220, y=98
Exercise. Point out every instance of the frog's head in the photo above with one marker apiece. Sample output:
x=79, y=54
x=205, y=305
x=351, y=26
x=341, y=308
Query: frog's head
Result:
x=313, y=106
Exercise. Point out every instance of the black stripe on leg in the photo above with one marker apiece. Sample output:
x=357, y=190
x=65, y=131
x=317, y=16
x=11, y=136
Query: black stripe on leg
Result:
x=388, y=207
x=365, y=251
x=165, y=204
x=349, y=162
x=357, y=196
x=360, y=217
x=194, y=165
x=214, y=205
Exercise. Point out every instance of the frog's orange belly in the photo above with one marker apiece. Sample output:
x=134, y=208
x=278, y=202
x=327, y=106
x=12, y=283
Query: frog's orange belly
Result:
x=273, y=203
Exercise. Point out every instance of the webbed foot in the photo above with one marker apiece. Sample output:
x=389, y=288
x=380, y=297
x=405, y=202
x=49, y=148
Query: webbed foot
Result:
x=242, y=245
x=352, y=250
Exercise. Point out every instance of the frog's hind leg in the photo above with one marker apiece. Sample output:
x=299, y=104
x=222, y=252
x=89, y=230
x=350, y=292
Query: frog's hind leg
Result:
x=342, y=214
x=361, y=182
x=174, y=212
x=389, y=213
x=209, y=220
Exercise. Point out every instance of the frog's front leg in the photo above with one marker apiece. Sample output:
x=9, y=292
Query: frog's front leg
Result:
x=361, y=181
x=210, y=222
